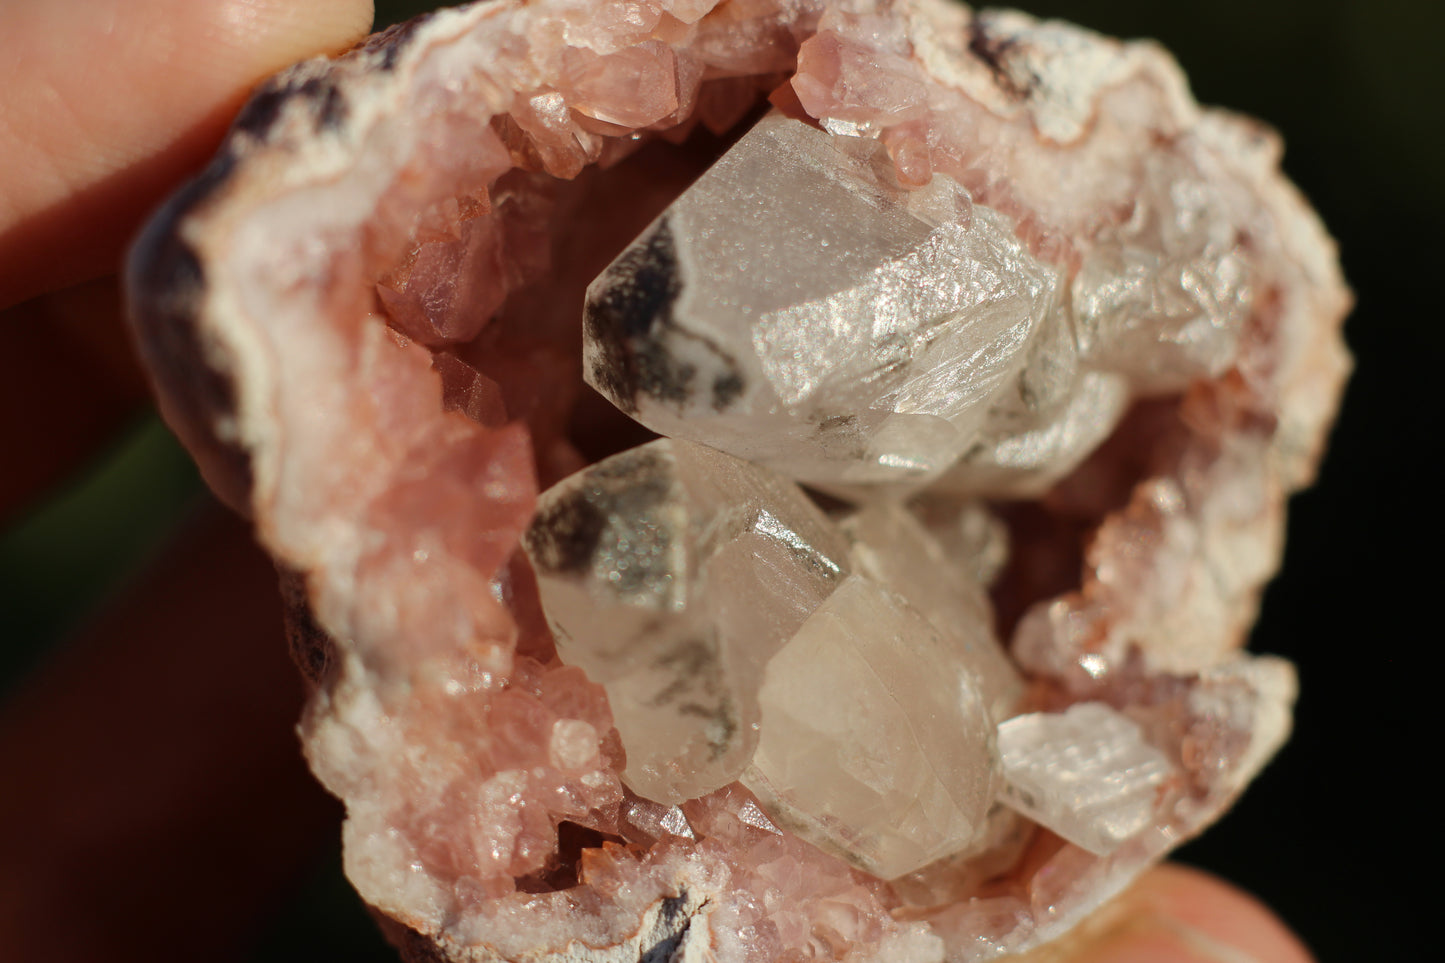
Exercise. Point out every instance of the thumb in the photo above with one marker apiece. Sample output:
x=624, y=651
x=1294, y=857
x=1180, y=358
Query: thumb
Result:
x=1175, y=914
x=109, y=102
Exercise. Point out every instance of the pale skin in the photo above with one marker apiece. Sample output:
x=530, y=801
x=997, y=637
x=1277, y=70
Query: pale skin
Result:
x=156, y=803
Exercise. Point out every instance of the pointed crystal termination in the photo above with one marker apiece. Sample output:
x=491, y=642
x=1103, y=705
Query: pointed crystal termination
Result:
x=671, y=574
x=876, y=741
x=1087, y=774
x=796, y=309
x=891, y=546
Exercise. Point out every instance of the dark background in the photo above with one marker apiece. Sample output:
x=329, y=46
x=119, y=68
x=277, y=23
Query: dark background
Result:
x=1334, y=834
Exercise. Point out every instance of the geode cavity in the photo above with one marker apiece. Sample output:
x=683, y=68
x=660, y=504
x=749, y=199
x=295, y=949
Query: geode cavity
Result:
x=367, y=318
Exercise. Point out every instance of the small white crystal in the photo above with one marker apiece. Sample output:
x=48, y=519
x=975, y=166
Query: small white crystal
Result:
x=1087, y=774
x=573, y=746
x=671, y=573
x=795, y=308
x=876, y=741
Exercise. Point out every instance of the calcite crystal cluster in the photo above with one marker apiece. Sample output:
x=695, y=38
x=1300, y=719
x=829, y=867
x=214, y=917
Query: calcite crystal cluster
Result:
x=737, y=640
x=983, y=359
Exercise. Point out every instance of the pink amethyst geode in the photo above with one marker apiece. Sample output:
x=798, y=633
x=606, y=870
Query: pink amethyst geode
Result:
x=364, y=320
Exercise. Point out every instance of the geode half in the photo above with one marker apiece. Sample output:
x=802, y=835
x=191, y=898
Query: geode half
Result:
x=365, y=320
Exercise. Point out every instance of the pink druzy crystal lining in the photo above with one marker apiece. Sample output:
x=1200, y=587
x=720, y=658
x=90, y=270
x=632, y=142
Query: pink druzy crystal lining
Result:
x=396, y=435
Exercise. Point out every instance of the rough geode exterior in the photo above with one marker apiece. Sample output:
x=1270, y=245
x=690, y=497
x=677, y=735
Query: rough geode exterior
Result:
x=466, y=754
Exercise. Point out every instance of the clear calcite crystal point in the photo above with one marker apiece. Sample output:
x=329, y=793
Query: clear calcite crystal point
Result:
x=876, y=740
x=796, y=308
x=716, y=606
x=1087, y=773
x=672, y=573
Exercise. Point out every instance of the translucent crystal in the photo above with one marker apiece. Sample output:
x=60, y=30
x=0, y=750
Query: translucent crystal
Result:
x=671, y=573
x=655, y=820
x=648, y=71
x=447, y=294
x=876, y=741
x=796, y=308
x=1087, y=774
x=1022, y=457
x=969, y=533
x=1164, y=295
x=892, y=547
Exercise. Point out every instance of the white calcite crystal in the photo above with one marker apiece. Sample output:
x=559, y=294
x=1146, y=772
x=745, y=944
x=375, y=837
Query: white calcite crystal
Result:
x=797, y=308
x=877, y=743
x=1088, y=773
x=1080, y=325
x=716, y=606
x=672, y=573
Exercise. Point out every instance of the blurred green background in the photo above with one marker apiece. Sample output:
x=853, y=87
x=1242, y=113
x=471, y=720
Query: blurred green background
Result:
x=1327, y=834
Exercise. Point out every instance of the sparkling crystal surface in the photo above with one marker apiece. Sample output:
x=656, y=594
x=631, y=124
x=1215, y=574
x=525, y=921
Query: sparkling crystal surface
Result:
x=795, y=307
x=898, y=773
x=672, y=573
x=1088, y=773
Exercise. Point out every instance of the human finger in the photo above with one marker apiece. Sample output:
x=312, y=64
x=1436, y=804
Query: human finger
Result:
x=156, y=804
x=69, y=383
x=109, y=103
x=1175, y=914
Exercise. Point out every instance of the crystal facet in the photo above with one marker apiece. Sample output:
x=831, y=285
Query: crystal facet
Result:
x=890, y=546
x=672, y=573
x=898, y=773
x=797, y=308
x=1087, y=773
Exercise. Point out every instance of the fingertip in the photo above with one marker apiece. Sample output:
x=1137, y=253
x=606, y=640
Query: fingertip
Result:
x=136, y=94
x=1207, y=904
x=1176, y=914
x=279, y=32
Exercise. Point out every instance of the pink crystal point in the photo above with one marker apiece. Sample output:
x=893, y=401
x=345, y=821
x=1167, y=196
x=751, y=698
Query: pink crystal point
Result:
x=449, y=294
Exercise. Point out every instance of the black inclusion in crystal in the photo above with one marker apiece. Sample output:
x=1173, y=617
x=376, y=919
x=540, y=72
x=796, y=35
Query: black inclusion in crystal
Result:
x=564, y=536
x=570, y=530
x=629, y=317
